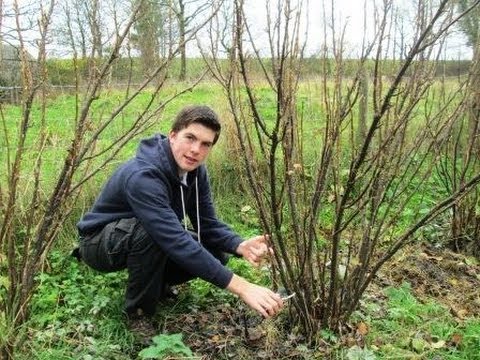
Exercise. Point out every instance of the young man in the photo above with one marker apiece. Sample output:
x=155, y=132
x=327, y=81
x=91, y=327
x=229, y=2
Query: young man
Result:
x=139, y=222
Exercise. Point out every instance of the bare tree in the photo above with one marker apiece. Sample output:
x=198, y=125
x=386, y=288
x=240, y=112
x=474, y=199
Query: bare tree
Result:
x=338, y=215
x=186, y=13
x=95, y=23
x=72, y=33
x=32, y=209
x=83, y=27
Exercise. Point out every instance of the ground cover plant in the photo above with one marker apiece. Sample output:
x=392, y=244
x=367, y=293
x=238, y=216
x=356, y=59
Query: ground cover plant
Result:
x=76, y=312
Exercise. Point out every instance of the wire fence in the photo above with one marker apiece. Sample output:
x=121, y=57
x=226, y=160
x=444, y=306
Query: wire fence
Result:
x=13, y=94
x=10, y=94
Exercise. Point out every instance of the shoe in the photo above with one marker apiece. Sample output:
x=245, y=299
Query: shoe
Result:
x=170, y=292
x=141, y=326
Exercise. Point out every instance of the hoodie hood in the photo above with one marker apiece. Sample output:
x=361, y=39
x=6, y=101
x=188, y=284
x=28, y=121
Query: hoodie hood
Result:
x=157, y=152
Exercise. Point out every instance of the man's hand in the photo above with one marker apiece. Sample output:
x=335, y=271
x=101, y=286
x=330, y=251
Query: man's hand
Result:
x=263, y=300
x=254, y=249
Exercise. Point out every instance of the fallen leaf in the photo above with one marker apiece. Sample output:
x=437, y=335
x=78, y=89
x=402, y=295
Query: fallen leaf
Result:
x=430, y=257
x=255, y=334
x=215, y=338
x=350, y=341
x=456, y=339
x=438, y=345
x=460, y=313
x=453, y=282
x=362, y=328
x=262, y=354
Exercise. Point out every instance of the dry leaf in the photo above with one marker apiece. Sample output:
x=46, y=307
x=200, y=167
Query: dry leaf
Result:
x=362, y=329
x=430, y=257
x=460, y=313
x=215, y=338
x=437, y=345
x=453, y=281
x=255, y=334
x=456, y=339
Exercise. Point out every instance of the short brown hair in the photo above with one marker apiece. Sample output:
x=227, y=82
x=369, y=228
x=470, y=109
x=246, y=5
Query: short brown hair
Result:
x=200, y=114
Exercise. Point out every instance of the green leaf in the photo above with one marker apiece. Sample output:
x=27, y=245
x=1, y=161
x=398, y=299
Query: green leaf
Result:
x=165, y=345
x=357, y=353
x=419, y=345
x=4, y=282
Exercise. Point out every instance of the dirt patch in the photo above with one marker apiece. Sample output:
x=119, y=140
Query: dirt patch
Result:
x=229, y=332
x=452, y=279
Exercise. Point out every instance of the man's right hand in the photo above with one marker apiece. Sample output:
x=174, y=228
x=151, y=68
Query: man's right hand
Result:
x=266, y=302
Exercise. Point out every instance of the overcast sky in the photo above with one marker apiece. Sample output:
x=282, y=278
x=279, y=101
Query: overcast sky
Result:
x=349, y=14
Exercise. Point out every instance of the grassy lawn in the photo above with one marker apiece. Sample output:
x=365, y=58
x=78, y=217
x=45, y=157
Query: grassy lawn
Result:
x=77, y=312
x=77, y=315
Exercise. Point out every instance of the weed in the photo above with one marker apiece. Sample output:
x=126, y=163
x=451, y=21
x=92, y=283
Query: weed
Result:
x=165, y=345
x=413, y=329
x=76, y=313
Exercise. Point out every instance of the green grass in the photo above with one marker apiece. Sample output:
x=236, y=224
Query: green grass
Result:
x=77, y=312
x=405, y=328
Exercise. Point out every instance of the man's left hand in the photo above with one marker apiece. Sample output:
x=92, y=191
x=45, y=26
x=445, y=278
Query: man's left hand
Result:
x=255, y=249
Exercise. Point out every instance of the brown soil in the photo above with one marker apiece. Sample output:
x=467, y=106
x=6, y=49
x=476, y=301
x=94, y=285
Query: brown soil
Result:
x=450, y=278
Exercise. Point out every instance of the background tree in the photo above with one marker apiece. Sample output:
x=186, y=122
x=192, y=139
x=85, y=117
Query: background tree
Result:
x=82, y=26
x=96, y=24
x=470, y=24
x=187, y=13
x=167, y=25
x=72, y=32
x=148, y=32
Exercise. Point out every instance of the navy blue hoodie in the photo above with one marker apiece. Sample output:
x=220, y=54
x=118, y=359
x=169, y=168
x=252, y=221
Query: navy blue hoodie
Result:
x=148, y=187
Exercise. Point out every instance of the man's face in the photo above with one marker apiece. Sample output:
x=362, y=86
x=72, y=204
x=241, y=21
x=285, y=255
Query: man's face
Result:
x=190, y=146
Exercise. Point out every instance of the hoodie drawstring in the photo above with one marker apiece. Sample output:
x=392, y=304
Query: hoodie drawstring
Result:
x=183, y=209
x=198, y=210
x=197, y=206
